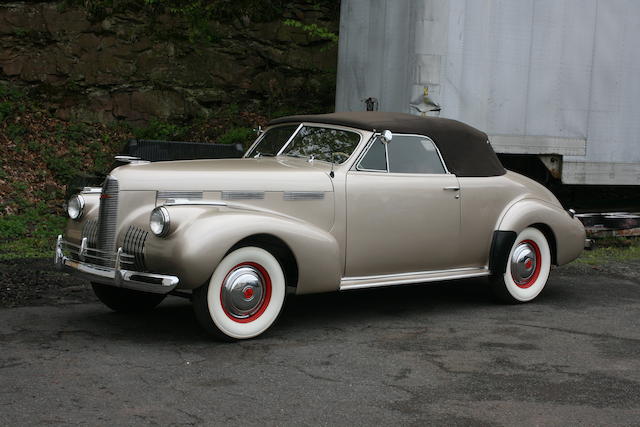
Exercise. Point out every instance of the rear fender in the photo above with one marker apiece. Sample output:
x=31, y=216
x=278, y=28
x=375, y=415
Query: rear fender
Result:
x=568, y=232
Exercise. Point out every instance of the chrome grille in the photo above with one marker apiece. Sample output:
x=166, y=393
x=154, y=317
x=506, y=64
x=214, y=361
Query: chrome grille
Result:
x=108, y=219
x=96, y=256
x=90, y=231
x=134, y=240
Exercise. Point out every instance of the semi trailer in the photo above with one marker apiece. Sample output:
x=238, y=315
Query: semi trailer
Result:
x=555, y=83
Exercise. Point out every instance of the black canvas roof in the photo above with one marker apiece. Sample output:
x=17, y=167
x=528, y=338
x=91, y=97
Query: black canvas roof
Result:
x=464, y=149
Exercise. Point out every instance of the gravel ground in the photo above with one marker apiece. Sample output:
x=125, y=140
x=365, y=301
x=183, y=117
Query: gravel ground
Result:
x=439, y=354
x=26, y=282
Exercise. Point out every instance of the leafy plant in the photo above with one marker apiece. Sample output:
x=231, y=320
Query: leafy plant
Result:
x=238, y=135
x=30, y=234
x=157, y=129
x=10, y=101
x=313, y=30
x=6, y=109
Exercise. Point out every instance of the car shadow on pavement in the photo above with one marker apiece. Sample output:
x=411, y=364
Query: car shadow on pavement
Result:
x=366, y=305
x=174, y=320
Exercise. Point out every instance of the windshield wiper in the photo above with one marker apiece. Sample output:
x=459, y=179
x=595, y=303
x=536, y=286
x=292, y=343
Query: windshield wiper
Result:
x=259, y=154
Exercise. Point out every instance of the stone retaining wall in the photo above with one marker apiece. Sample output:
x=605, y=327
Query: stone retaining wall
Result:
x=135, y=66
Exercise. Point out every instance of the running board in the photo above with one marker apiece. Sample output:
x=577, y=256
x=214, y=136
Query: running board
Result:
x=348, y=283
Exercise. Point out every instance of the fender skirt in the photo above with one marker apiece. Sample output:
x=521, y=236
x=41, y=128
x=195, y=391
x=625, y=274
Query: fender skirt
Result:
x=500, y=248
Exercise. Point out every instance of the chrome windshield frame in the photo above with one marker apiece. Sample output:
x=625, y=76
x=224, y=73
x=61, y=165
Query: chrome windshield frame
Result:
x=326, y=126
x=262, y=136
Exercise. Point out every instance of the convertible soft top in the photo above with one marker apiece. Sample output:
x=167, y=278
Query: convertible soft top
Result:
x=465, y=149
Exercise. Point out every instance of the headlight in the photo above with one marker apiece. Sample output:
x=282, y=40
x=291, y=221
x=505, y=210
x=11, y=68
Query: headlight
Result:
x=75, y=206
x=159, y=221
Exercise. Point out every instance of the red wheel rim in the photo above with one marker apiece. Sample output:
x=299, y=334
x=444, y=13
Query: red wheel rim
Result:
x=247, y=292
x=526, y=253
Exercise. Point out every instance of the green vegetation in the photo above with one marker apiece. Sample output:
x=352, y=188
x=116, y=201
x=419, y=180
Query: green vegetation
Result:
x=30, y=234
x=157, y=129
x=612, y=249
x=237, y=135
x=313, y=30
x=40, y=155
x=201, y=16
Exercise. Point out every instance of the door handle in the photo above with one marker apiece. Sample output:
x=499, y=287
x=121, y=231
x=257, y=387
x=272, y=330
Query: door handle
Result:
x=452, y=188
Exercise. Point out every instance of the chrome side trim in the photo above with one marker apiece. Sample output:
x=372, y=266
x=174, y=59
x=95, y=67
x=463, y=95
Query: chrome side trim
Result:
x=192, y=195
x=242, y=195
x=91, y=190
x=361, y=282
x=186, y=202
x=303, y=195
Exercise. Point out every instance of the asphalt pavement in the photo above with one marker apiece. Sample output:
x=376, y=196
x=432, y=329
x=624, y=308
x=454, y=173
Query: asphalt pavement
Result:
x=434, y=354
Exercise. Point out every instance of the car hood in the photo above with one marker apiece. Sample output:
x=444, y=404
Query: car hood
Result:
x=262, y=174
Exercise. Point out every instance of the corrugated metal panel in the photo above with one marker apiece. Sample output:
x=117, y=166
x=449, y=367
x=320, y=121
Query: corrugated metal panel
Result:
x=375, y=44
x=543, y=76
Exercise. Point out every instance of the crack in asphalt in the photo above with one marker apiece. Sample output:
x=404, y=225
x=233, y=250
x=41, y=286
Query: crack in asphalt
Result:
x=574, y=332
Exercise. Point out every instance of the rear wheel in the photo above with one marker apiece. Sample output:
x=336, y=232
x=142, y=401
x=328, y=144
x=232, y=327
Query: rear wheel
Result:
x=126, y=300
x=528, y=268
x=244, y=296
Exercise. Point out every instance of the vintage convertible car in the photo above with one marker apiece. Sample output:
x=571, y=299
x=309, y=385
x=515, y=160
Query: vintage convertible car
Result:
x=318, y=203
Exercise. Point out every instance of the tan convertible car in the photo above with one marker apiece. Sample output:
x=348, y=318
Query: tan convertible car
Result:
x=318, y=203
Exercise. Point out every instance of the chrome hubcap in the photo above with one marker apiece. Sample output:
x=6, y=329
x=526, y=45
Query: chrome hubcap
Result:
x=523, y=263
x=243, y=292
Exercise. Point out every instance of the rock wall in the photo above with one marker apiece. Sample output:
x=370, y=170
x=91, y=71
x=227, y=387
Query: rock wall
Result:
x=136, y=65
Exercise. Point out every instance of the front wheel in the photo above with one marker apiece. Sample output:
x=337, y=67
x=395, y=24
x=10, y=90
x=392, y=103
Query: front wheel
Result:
x=126, y=300
x=244, y=296
x=528, y=268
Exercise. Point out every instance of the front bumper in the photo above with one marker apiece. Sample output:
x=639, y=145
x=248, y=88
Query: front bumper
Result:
x=105, y=274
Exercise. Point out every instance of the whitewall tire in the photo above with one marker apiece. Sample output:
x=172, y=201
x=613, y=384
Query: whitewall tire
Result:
x=528, y=268
x=244, y=296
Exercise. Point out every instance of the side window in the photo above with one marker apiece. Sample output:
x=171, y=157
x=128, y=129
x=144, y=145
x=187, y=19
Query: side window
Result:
x=375, y=159
x=413, y=154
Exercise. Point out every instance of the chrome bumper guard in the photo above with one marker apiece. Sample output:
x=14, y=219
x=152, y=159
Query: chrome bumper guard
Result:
x=105, y=274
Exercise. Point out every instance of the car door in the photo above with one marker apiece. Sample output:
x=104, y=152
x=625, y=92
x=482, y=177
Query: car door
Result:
x=403, y=209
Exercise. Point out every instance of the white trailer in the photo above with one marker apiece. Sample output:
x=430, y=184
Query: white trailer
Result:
x=559, y=79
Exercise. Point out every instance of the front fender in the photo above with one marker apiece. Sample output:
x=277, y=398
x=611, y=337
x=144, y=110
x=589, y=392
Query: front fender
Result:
x=201, y=236
x=568, y=232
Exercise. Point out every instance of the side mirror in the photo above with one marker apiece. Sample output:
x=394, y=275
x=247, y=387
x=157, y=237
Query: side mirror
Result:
x=387, y=136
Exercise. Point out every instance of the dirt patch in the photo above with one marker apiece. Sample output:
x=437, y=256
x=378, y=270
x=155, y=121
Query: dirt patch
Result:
x=36, y=282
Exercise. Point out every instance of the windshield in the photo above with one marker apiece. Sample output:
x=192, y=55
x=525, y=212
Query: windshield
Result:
x=272, y=141
x=329, y=145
